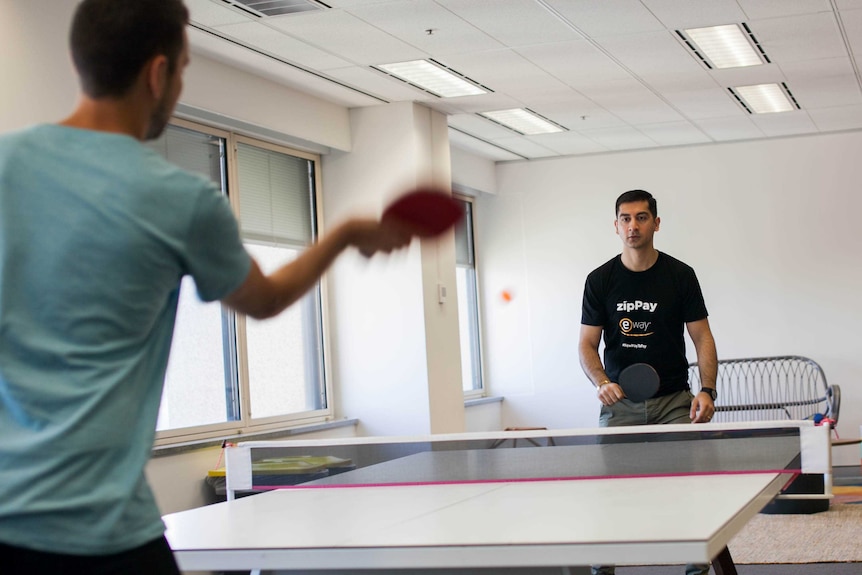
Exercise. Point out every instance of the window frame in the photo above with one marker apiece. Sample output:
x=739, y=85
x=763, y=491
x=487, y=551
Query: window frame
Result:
x=481, y=391
x=307, y=417
x=235, y=323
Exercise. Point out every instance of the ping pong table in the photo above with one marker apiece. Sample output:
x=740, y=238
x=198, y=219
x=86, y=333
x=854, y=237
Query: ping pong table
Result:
x=650, y=495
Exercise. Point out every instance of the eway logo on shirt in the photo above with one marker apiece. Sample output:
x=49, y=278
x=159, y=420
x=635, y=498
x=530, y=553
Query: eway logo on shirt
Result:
x=635, y=328
x=636, y=305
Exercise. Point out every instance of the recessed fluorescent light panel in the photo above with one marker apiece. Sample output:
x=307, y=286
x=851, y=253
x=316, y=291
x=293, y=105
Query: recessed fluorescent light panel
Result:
x=433, y=78
x=523, y=121
x=725, y=46
x=262, y=8
x=765, y=98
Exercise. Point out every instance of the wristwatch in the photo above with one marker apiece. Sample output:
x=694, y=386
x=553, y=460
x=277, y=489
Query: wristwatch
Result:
x=711, y=391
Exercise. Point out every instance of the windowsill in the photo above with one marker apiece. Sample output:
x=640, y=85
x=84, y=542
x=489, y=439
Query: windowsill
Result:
x=178, y=448
x=482, y=400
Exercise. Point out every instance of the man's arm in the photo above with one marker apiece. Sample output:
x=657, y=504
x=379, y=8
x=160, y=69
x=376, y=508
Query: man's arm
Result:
x=261, y=296
x=702, y=407
x=607, y=391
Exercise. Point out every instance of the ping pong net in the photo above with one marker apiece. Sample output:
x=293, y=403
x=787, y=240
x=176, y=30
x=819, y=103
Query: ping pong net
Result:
x=787, y=447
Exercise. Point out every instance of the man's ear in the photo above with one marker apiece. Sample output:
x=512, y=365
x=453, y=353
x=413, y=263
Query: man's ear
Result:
x=657, y=223
x=616, y=227
x=157, y=76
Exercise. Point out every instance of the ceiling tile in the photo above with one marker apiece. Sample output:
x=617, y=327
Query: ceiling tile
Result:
x=552, y=95
x=748, y=75
x=730, y=128
x=785, y=123
x=677, y=15
x=608, y=17
x=581, y=117
x=411, y=21
x=756, y=9
x=485, y=149
x=621, y=138
x=698, y=77
x=282, y=46
x=525, y=147
x=379, y=84
x=633, y=103
x=568, y=143
x=577, y=63
x=812, y=69
x=484, y=103
x=827, y=92
x=208, y=13
x=701, y=104
x=504, y=71
x=675, y=134
x=838, y=118
x=513, y=22
x=795, y=38
x=654, y=53
x=346, y=36
x=479, y=127
x=578, y=112
x=669, y=82
x=354, y=3
x=852, y=22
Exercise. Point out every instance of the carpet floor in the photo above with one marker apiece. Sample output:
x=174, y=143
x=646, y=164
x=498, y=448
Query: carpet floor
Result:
x=830, y=536
x=825, y=543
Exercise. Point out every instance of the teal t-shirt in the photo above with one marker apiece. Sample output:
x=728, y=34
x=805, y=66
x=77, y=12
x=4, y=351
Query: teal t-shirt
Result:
x=96, y=232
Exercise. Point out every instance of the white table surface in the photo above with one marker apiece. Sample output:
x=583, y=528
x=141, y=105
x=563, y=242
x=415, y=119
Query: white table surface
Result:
x=652, y=520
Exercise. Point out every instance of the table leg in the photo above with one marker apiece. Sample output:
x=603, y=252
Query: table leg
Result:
x=723, y=563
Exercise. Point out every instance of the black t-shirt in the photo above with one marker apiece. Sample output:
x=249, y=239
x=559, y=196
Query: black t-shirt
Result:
x=643, y=314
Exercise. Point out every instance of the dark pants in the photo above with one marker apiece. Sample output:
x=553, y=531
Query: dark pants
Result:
x=153, y=558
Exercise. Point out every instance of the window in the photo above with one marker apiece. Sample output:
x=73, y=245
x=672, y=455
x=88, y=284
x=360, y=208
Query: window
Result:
x=277, y=218
x=468, y=302
x=228, y=372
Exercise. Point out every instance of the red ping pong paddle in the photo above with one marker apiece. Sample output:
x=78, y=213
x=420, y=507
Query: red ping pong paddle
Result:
x=640, y=381
x=427, y=211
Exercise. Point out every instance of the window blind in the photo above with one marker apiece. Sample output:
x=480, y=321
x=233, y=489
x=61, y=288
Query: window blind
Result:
x=464, y=236
x=275, y=196
x=191, y=150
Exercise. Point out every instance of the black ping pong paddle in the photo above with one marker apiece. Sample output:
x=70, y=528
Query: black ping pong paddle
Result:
x=640, y=381
x=427, y=211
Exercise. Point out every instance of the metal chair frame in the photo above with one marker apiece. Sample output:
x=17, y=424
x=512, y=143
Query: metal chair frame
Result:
x=768, y=388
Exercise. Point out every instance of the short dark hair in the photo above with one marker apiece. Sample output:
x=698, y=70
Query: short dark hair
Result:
x=111, y=40
x=637, y=196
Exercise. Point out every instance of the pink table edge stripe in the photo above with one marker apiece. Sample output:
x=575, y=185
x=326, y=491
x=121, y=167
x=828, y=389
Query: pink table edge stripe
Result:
x=794, y=473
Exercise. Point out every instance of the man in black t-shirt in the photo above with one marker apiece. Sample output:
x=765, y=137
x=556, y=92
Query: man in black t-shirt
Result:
x=641, y=300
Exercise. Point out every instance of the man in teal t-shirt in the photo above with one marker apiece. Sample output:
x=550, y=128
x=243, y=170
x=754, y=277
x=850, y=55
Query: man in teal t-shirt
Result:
x=96, y=233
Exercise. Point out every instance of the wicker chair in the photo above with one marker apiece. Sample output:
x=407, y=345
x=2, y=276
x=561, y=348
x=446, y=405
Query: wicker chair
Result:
x=770, y=388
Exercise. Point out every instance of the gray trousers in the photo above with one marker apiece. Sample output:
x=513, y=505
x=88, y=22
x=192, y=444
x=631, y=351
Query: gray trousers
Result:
x=673, y=408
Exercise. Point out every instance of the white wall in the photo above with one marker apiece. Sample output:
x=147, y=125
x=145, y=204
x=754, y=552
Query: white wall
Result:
x=387, y=370
x=770, y=228
x=472, y=174
x=215, y=87
x=39, y=84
